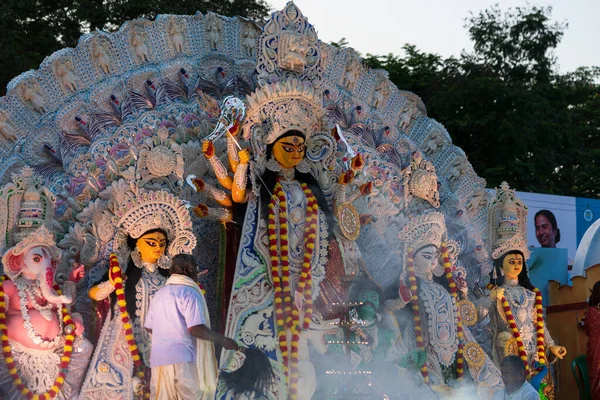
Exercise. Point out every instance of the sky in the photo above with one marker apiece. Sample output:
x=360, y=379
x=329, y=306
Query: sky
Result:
x=437, y=26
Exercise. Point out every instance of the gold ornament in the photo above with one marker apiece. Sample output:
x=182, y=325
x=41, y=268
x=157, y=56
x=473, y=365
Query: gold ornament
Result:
x=474, y=355
x=349, y=221
x=467, y=312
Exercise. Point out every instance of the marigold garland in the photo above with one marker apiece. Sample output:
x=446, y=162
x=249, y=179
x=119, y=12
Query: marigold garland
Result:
x=117, y=277
x=8, y=356
x=460, y=359
x=540, y=337
x=287, y=314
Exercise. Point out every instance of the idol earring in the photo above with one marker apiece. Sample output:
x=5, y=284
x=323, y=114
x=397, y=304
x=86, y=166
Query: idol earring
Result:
x=137, y=258
x=273, y=165
x=501, y=272
x=303, y=167
x=164, y=262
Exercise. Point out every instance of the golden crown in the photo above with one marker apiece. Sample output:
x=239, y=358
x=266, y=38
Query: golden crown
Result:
x=507, y=223
x=281, y=107
x=423, y=230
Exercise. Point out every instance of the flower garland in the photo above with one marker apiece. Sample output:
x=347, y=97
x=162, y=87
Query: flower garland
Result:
x=539, y=327
x=287, y=314
x=412, y=281
x=10, y=362
x=460, y=360
x=117, y=278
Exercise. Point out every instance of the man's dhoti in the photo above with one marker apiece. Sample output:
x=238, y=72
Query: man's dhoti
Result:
x=175, y=382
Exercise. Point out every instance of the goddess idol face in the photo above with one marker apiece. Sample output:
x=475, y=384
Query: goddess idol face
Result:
x=152, y=246
x=512, y=265
x=426, y=259
x=289, y=151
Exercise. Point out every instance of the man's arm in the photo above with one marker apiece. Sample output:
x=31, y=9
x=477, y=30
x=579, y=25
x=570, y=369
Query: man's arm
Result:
x=205, y=333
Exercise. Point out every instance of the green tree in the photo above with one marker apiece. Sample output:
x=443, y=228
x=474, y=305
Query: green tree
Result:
x=517, y=118
x=32, y=30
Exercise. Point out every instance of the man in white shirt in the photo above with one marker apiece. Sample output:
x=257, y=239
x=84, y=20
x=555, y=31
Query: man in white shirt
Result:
x=516, y=386
x=182, y=353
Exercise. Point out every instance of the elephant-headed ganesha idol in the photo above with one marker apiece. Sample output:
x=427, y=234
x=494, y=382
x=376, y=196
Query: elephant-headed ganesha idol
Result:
x=44, y=354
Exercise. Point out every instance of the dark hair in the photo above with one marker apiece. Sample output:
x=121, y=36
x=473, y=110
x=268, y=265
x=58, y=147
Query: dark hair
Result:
x=184, y=264
x=364, y=282
x=552, y=219
x=134, y=274
x=523, y=275
x=513, y=362
x=255, y=375
x=269, y=178
x=595, y=296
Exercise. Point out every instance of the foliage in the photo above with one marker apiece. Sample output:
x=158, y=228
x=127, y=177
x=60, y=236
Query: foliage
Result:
x=32, y=30
x=506, y=105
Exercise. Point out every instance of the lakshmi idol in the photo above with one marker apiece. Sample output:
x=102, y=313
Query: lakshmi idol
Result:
x=150, y=229
x=516, y=305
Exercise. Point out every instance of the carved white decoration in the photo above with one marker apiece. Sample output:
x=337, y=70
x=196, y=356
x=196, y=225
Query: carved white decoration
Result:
x=351, y=73
x=288, y=48
x=63, y=69
x=249, y=40
x=138, y=41
x=101, y=54
x=30, y=92
x=214, y=29
x=434, y=143
x=6, y=128
x=381, y=94
x=458, y=167
x=477, y=202
x=176, y=30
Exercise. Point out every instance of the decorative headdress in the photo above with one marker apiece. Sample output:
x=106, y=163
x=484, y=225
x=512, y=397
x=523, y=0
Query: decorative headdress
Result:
x=41, y=237
x=281, y=107
x=424, y=229
x=420, y=180
x=507, y=218
x=155, y=210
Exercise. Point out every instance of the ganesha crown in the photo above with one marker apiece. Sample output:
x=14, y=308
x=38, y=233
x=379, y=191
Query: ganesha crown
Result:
x=40, y=237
